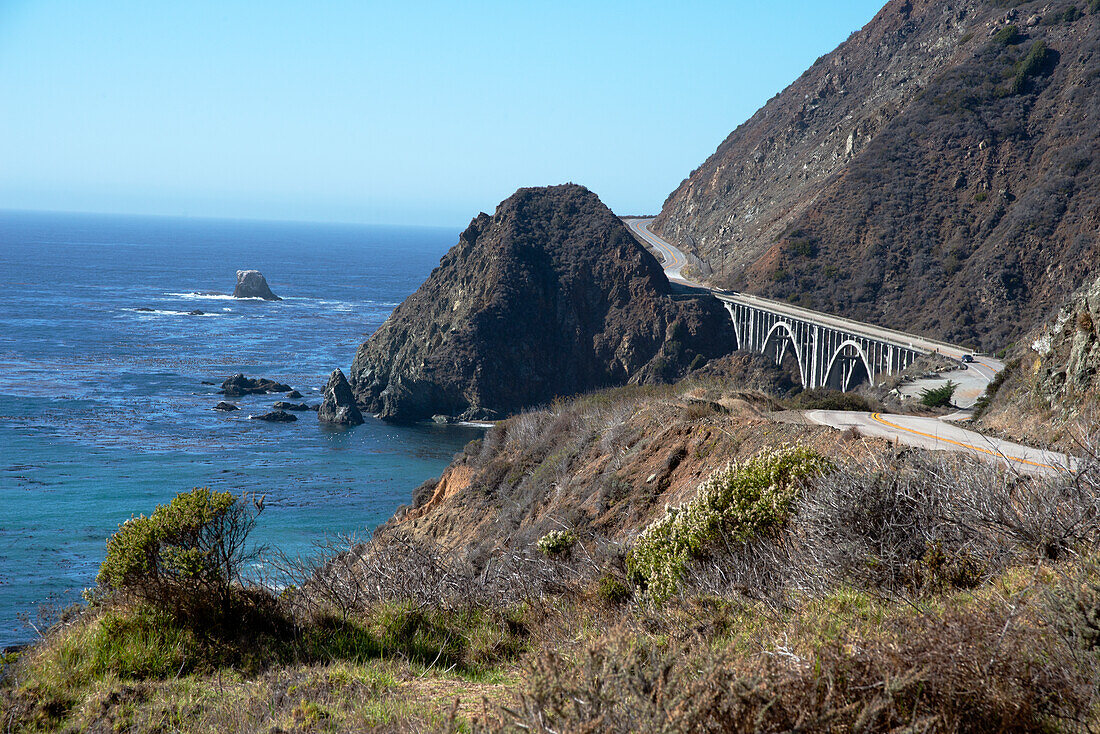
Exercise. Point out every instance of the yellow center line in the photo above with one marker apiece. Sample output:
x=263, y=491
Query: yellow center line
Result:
x=877, y=417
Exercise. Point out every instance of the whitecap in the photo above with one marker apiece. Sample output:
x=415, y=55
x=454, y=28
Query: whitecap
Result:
x=211, y=297
x=166, y=312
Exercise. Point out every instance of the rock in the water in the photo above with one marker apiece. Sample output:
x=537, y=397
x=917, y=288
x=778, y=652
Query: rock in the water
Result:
x=196, y=312
x=294, y=394
x=146, y=309
x=238, y=385
x=275, y=416
x=339, y=403
x=253, y=284
x=283, y=405
x=550, y=296
x=222, y=405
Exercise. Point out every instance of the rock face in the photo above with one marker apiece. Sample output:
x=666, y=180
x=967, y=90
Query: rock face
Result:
x=1064, y=359
x=239, y=385
x=936, y=173
x=339, y=404
x=550, y=296
x=253, y=284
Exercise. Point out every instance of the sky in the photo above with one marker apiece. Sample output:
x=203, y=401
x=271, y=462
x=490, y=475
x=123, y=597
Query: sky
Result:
x=396, y=113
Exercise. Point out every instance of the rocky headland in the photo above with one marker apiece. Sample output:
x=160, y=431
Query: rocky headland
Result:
x=549, y=296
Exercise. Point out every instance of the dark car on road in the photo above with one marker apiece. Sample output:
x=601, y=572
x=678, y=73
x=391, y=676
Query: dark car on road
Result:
x=968, y=358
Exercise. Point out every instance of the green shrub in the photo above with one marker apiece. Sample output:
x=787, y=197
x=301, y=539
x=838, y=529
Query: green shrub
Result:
x=1071, y=14
x=981, y=196
x=1006, y=36
x=802, y=248
x=1030, y=66
x=938, y=397
x=611, y=589
x=823, y=398
x=738, y=503
x=557, y=542
x=195, y=545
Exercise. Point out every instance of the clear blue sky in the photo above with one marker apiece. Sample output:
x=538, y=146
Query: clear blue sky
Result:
x=395, y=112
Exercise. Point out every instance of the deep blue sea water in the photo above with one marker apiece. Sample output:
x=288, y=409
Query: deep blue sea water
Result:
x=103, y=413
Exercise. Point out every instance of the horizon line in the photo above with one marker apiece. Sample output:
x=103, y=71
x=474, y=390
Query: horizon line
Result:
x=214, y=218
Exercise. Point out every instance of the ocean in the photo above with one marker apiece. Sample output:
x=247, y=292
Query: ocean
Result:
x=105, y=411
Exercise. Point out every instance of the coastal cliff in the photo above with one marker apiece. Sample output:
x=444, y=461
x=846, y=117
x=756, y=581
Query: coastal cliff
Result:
x=935, y=173
x=549, y=296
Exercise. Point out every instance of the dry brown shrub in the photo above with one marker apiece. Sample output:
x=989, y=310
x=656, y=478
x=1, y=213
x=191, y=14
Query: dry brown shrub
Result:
x=991, y=669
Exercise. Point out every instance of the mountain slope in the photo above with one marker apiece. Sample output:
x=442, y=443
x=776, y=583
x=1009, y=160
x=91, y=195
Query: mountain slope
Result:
x=937, y=172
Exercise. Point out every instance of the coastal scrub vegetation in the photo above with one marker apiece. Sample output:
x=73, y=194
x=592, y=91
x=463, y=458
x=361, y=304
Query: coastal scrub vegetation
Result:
x=776, y=577
x=939, y=397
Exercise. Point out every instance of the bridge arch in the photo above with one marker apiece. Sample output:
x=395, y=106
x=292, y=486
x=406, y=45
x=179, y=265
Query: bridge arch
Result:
x=792, y=341
x=859, y=353
x=736, y=327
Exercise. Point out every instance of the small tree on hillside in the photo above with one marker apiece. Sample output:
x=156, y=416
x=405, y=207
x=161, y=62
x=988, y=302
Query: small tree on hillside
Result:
x=187, y=554
x=938, y=397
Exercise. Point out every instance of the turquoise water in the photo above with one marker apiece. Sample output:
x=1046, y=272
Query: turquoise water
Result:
x=103, y=410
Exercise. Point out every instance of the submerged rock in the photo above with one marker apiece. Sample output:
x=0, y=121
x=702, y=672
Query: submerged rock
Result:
x=275, y=416
x=196, y=312
x=146, y=309
x=222, y=405
x=238, y=385
x=253, y=284
x=283, y=405
x=339, y=404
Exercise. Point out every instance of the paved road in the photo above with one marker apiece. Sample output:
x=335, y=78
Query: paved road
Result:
x=928, y=433
x=936, y=435
x=674, y=260
x=671, y=258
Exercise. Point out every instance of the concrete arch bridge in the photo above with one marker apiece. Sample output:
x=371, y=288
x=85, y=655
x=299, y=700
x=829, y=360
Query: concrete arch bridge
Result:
x=829, y=351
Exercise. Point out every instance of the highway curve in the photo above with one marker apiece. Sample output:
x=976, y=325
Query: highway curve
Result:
x=927, y=433
x=936, y=435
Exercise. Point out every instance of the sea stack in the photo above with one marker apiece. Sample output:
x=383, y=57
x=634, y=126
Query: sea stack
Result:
x=339, y=404
x=550, y=296
x=253, y=284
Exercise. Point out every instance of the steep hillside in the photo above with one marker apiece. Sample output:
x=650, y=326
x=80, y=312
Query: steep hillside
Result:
x=603, y=464
x=550, y=296
x=1050, y=391
x=936, y=172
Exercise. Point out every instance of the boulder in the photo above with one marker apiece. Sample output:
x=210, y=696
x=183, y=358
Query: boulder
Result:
x=196, y=312
x=253, y=284
x=339, y=404
x=283, y=405
x=222, y=405
x=146, y=309
x=239, y=385
x=294, y=394
x=275, y=416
